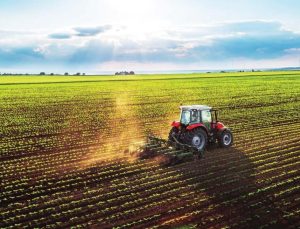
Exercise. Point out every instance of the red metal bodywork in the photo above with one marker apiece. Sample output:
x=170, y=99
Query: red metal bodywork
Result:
x=175, y=124
x=193, y=126
x=217, y=126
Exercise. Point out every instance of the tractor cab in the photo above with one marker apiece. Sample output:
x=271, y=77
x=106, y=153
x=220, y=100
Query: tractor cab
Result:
x=198, y=114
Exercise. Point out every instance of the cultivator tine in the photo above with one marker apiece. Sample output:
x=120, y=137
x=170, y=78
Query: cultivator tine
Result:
x=156, y=140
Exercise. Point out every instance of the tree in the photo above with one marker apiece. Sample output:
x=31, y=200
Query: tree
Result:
x=42, y=73
x=52, y=74
x=66, y=73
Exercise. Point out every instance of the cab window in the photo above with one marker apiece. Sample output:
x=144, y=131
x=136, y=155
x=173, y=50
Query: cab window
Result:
x=185, y=117
x=195, y=116
x=206, y=116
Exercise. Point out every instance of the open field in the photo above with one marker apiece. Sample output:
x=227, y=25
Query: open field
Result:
x=67, y=152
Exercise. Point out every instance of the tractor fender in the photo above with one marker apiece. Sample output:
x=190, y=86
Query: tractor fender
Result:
x=175, y=124
x=221, y=130
x=220, y=126
x=197, y=125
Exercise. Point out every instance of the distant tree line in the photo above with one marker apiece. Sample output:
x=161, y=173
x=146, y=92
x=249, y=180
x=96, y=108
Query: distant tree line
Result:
x=65, y=74
x=124, y=73
x=83, y=74
x=14, y=74
x=41, y=74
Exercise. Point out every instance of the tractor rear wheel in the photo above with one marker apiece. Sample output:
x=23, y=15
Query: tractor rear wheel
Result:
x=225, y=139
x=197, y=138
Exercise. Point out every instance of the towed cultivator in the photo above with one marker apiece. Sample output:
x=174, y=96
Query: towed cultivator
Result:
x=188, y=138
x=171, y=152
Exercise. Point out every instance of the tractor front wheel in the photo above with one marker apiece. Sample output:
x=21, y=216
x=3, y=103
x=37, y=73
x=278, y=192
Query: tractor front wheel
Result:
x=225, y=139
x=197, y=138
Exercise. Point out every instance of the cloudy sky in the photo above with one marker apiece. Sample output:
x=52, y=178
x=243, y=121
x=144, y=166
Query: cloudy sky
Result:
x=95, y=36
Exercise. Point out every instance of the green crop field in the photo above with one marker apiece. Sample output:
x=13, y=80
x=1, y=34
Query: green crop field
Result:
x=68, y=152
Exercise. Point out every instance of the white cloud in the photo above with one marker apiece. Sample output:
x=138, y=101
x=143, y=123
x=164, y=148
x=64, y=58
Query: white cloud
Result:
x=106, y=45
x=293, y=51
x=91, y=31
x=62, y=35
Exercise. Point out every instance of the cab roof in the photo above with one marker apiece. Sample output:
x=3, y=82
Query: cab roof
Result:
x=195, y=107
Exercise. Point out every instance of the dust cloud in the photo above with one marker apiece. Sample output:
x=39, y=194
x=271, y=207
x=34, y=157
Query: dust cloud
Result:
x=123, y=137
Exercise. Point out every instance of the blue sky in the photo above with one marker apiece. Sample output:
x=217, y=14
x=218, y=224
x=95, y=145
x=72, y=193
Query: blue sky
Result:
x=94, y=36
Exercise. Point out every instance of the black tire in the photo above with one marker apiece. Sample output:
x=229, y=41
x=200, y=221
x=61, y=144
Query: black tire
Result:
x=225, y=139
x=197, y=138
x=173, y=132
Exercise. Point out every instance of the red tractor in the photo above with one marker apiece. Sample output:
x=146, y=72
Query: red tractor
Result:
x=199, y=126
x=188, y=137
